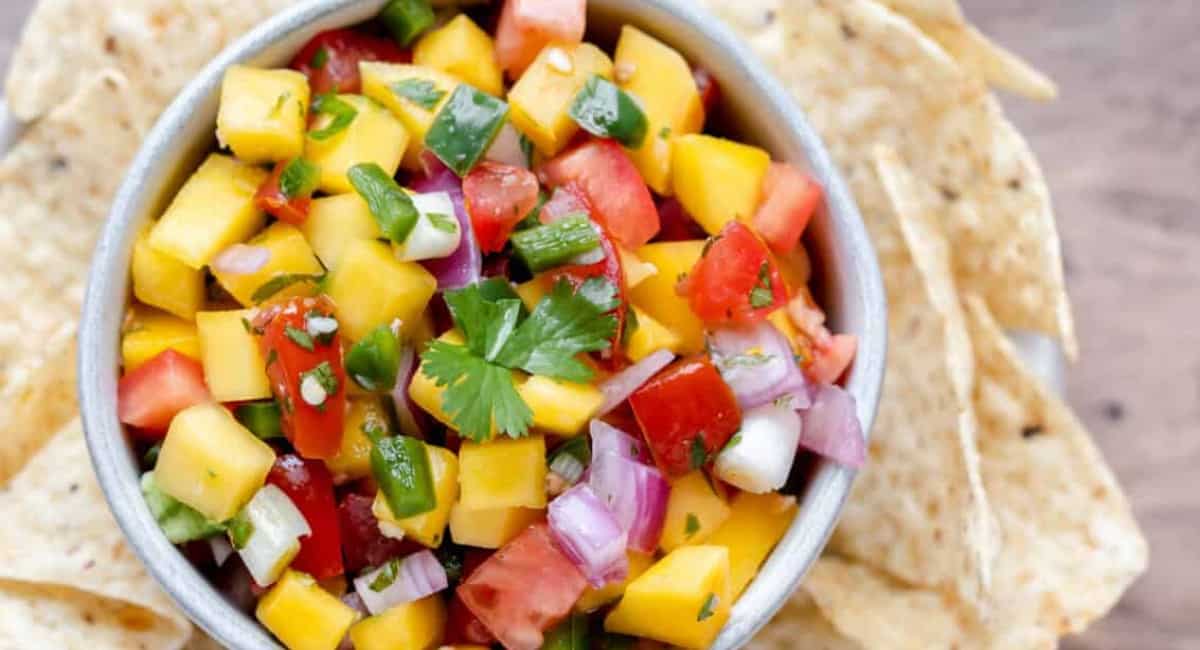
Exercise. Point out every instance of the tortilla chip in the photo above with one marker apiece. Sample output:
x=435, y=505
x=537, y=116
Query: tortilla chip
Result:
x=40, y=399
x=801, y=625
x=866, y=76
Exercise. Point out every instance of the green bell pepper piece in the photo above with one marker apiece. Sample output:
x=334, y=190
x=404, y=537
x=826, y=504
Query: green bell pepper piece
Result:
x=372, y=362
x=178, y=521
x=391, y=206
x=465, y=127
x=400, y=465
x=553, y=244
x=406, y=19
x=261, y=418
x=571, y=634
x=604, y=110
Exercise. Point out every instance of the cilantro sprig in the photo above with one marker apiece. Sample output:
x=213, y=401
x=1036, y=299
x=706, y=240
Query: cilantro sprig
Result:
x=499, y=338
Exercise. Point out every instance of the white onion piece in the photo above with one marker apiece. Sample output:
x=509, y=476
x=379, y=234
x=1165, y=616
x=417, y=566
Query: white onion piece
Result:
x=426, y=240
x=278, y=526
x=620, y=386
x=608, y=439
x=832, y=429
x=221, y=549
x=757, y=363
x=412, y=578
x=759, y=457
x=241, y=259
x=635, y=493
x=506, y=148
x=589, y=535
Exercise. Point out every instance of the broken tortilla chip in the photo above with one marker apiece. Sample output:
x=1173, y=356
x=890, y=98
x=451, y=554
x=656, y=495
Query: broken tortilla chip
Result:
x=801, y=625
x=40, y=396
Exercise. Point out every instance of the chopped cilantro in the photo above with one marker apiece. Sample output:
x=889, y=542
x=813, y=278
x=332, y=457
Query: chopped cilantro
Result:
x=343, y=115
x=386, y=576
x=631, y=327
x=280, y=101
x=442, y=222
x=763, y=294
x=421, y=92
x=299, y=179
x=240, y=530
x=527, y=149
x=664, y=132
x=320, y=58
x=321, y=327
x=281, y=282
x=323, y=374
x=708, y=608
x=734, y=441
x=699, y=453
x=692, y=526
x=299, y=337
x=746, y=360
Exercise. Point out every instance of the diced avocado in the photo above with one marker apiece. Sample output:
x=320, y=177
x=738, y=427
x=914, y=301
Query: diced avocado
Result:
x=374, y=135
x=234, y=367
x=263, y=113
x=541, y=98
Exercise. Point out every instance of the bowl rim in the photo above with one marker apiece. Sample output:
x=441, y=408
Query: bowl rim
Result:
x=142, y=189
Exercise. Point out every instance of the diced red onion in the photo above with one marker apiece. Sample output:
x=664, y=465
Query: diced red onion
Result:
x=608, y=439
x=410, y=418
x=757, y=363
x=417, y=576
x=831, y=427
x=506, y=148
x=355, y=602
x=635, y=493
x=589, y=535
x=465, y=265
x=620, y=386
x=241, y=259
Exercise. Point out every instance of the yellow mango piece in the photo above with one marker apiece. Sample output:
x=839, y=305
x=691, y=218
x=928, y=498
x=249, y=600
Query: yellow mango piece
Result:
x=795, y=267
x=650, y=336
x=427, y=528
x=490, y=528
x=757, y=523
x=661, y=80
x=335, y=221
x=656, y=294
x=593, y=598
x=290, y=254
x=418, y=625
x=263, y=113
x=212, y=211
x=426, y=394
x=210, y=462
x=462, y=49
x=542, y=96
x=150, y=332
x=371, y=288
x=162, y=281
x=303, y=616
x=532, y=291
x=522, y=483
x=375, y=136
x=684, y=599
x=694, y=512
x=353, y=460
x=560, y=407
x=379, y=83
x=234, y=367
x=717, y=180
x=634, y=268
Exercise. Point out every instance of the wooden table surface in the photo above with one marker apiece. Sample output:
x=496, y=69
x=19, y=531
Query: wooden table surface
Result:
x=1121, y=149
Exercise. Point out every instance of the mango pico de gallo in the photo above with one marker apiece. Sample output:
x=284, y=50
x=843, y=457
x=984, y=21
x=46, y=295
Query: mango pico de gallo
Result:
x=474, y=339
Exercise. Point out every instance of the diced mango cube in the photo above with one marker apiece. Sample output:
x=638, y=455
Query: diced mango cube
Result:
x=684, y=599
x=662, y=81
x=162, y=281
x=353, y=460
x=375, y=136
x=263, y=113
x=694, y=512
x=542, y=96
x=491, y=528
x=210, y=462
x=150, y=332
x=520, y=483
x=371, y=288
x=335, y=221
x=756, y=525
x=464, y=50
x=717, y=180
x=593, y=598
x=399, y=86
x=657, y=297
x=427, y=528
x=560, y=407
x=426, y=394
x=650, y=336
x=418, y=625
x=212, y=211
x=635, y=268
x=303, y=615
x=532, y=291
x=234, y=367
x=290, y=254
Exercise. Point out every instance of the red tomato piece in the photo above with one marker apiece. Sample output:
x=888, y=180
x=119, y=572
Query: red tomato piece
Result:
x=295, y=356
x=464, y=628
x=150, y=396
x=735, y=280
x=563, y=202
x=309, y=485
x=271, y=199
x=610, y=269
x=526, y=26
x=687, y=413
x=363, y=545
x=527, y=587
x=604, y=176
x=831, y=360
x=330, y=60
x=676, y=223
x=497, y=197
x=790, y=197
x=710, y=90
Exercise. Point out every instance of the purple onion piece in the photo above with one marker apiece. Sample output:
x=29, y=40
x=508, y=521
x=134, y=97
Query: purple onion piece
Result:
x=831, y=427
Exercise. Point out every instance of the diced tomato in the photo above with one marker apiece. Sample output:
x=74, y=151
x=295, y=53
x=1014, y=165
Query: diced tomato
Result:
x=464, y=628
x=604, y=176
x=735, y=279
x=526, y=26
x=309, y=485
x=831, y=360
x=150, y=396
x=790, y=197
x=362, y=544
x=687, y=413
x=330, y=60
x=524, y=589
x=610, y=269
x=710, y=90
x=294, y=356
x=271, y=199
x=564, y=201
x=497, y=197
x=677, y=224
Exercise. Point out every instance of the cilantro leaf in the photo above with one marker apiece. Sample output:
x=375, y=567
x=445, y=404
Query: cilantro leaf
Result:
x=299, y=337
x=562, y=325
x=477, y=392
x=763, y=294
x=708, y=608
x=692, y=526
x=422, y=92
x=342, y=115
x=698, y=453
x=281, y=282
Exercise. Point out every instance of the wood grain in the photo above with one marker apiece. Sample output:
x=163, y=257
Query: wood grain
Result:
x=1121, y=149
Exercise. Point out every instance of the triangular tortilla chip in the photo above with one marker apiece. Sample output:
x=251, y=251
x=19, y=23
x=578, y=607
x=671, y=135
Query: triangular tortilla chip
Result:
x=801, y=625
x=39, y=399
